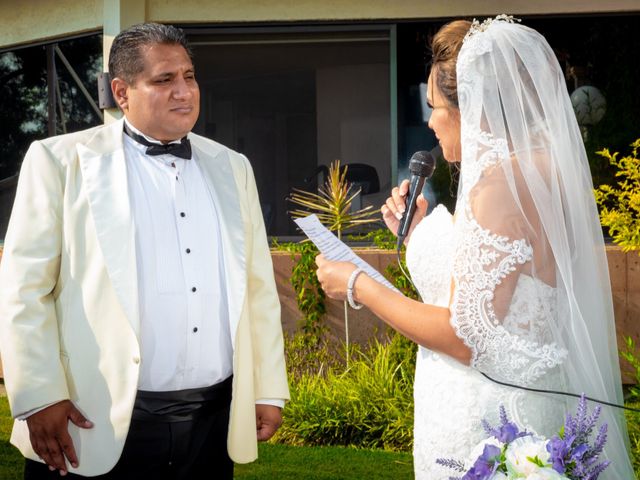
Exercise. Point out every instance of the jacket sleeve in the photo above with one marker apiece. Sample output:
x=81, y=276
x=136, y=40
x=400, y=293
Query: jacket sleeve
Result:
x=270, y=378
x=29, y=271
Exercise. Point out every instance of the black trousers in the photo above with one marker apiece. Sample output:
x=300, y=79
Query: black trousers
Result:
x=186, y=441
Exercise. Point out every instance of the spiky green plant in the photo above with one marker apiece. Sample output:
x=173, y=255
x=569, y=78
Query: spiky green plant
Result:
x=332, y=205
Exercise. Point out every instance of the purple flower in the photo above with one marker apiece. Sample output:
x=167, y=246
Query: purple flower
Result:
x=507, y=431
x=486, y=464
x=559, y=449
x=571, y=453
x=578, y=452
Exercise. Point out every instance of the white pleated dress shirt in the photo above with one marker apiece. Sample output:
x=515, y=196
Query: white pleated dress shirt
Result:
x=184, y=317
x=184, y=326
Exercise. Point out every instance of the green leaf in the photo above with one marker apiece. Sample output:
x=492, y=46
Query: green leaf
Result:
x=537, y=461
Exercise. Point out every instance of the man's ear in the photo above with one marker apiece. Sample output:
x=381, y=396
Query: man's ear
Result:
x=120, y=90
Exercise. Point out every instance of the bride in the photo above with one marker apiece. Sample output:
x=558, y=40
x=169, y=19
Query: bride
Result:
x=515, y=284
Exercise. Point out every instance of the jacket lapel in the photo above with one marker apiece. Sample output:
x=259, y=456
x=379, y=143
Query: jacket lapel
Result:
x=218, y=173
x=104, y=172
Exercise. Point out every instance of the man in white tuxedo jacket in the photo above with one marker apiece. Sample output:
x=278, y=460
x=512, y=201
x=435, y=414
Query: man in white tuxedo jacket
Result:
x=139, y=320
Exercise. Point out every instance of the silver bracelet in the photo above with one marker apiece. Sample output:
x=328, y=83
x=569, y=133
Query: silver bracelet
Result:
x=350, y=284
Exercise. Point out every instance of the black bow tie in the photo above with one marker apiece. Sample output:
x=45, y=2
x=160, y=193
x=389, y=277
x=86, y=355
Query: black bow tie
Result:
x=180, y=150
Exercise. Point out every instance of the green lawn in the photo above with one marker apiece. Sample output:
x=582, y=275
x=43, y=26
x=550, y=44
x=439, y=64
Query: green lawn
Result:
x=276, y=461
x=10, y=459
x=326, y=463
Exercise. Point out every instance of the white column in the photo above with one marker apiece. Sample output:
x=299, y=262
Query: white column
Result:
x=118, y=15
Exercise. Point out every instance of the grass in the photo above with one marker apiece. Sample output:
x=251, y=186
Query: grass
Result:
x=10, y=459
x=633, y=424
x=326, y=463
x=278, y=462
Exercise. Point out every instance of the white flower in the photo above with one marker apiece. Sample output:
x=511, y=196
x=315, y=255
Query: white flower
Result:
x=521, y=448
x=546, y=474
x=499, y=476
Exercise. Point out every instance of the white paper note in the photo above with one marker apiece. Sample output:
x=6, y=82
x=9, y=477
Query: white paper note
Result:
x=334, y=249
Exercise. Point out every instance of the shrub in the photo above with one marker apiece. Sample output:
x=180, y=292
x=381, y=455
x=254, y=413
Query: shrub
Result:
x=620, y=205
x=630, y=354
x=309, y=295
x=382, y=238
x=633, y=425
x=369, y=405
x=309, y=356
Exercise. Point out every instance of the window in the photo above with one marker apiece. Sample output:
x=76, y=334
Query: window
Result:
x=29, y=110
x=295, y=102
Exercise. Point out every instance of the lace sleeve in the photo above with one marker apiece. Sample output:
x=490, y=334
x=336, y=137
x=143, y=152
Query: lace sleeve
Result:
x=532, y=297
x=500, y=308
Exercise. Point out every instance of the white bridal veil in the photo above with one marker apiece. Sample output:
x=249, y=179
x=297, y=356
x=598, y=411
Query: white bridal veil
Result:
x=526, y=222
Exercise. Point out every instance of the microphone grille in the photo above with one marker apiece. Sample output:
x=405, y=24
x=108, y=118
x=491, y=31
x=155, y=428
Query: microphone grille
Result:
x=422, y=164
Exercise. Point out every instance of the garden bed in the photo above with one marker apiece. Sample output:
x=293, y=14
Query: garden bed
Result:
x=624, y=270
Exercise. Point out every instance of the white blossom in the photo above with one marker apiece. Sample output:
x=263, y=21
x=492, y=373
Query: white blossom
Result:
x=546, y=473
x=517, y=452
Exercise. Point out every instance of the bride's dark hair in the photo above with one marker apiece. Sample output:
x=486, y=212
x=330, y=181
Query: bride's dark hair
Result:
x=445, y=48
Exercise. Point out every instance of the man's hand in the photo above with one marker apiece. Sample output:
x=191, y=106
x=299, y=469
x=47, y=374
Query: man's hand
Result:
x=50, y=437
x=268, y=420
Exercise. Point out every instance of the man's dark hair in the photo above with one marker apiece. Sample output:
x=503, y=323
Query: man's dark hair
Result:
x=126, y=55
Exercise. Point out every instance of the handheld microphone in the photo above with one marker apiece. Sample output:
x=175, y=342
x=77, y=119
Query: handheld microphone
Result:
x=421, y=167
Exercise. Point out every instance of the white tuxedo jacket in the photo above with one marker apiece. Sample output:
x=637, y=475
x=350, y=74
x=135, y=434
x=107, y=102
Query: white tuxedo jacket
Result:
x=68, y=292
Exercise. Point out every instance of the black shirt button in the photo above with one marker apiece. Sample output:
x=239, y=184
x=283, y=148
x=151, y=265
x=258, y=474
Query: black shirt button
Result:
x=188, y=250
x=182, y=214
x=193, y=289
x=195, y=329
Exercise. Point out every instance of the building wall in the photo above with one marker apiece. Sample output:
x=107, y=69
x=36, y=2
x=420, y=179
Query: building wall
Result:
x=36, y=20
x=315, y=10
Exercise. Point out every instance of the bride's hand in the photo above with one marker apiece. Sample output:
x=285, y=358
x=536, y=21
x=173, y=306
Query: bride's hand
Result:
x=395, y=206
x=333, y=277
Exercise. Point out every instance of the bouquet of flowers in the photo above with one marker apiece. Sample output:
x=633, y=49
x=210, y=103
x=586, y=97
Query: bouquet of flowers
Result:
x=509, y=453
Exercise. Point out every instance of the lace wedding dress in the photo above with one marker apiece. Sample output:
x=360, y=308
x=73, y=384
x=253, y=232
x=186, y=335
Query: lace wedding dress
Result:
x=523, y=268
x=452, y=399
